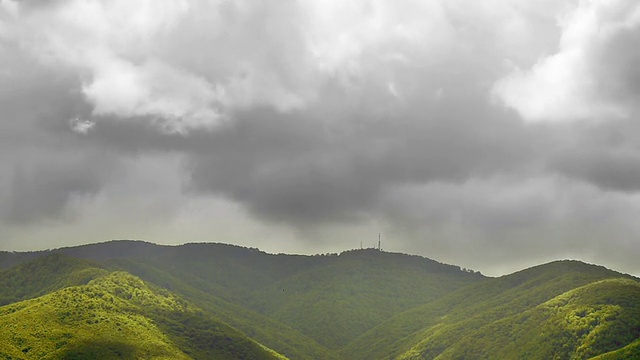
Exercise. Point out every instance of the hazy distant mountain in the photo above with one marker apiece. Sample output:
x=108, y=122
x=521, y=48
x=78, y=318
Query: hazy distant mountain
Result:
x=360, y=304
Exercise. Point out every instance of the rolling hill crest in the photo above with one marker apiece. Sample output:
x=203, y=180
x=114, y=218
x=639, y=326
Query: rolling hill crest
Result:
x=203, y=300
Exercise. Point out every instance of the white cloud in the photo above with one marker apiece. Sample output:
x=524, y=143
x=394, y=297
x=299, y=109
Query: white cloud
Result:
x=112, y=46
x=181, y=100
x=590, y=75
x=81, y=126
x=188, y=64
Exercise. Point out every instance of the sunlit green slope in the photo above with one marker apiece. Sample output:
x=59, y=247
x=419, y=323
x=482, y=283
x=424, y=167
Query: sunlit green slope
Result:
x=461, y=313
x=118, y=316
x=361, y=304
x=43, y=275
x=157, y=265
x=579, y=324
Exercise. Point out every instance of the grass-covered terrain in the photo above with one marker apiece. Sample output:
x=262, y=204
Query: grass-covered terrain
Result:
x=215, y=301
x=44, y=275
x=473, y=319
x=260, y=327
x=357, y=290
x=118, y=316
x=315, y=304
x=631, y=351
x=579, y=324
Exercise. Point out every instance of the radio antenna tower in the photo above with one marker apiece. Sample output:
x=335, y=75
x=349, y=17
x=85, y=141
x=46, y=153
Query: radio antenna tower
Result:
x=378, y=241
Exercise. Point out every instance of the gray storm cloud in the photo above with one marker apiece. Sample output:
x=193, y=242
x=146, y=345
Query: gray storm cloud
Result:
x=309, y=174
x=492, y=134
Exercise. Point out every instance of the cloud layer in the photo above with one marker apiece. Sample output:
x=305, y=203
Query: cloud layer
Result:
x=493, y=135
x=593, y=73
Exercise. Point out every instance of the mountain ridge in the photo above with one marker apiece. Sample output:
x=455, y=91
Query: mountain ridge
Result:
x=359, y=304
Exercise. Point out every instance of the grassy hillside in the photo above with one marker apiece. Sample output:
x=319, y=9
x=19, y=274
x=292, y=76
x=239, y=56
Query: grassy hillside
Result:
x=329, y=300
x=579, y=324
x=267, y=331
x=357, y=290
x=43, y=275
x=361, y=304
x=469, y=309
x=118, y=316
x=629, y=352
x=52, y=271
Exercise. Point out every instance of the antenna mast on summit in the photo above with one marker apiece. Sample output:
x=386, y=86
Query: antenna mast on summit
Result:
x=378, y=241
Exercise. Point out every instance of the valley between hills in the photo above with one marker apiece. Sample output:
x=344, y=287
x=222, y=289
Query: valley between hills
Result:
x=138, y=300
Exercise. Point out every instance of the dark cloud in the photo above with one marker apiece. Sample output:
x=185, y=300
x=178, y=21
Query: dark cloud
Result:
x=45, y=165
x=508, y=222
x=604, y=168
x=601, y=154
x=45, y=191
x=614, y=60
x=320, y=123
x=301, y=170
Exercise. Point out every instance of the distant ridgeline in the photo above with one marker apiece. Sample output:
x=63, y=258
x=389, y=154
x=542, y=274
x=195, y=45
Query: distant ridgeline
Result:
x=132, y=299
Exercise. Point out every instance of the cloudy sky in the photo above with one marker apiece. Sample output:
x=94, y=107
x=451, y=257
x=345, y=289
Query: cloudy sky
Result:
x=493, y=134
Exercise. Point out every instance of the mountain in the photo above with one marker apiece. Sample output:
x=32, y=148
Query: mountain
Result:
x=46, y=274
x=318, y=303
x=355, y=291
x=360, y=304
x=485, y=319
x=262, y=328
x=578, y=324
x=117, y=315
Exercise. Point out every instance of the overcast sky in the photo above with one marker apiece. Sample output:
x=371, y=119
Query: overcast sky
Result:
x=493, y=134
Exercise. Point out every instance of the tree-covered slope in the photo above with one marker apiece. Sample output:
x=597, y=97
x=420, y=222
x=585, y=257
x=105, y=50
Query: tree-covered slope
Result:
x=469, y=309
x=354, y=292
x=629, y=352
x=360, y=304
x=118, y=316
x=591, y=320
x=264, y=329
x=328, y=300
x=43, y=275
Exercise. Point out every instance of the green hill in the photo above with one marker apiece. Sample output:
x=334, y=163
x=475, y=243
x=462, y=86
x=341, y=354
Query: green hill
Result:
x=216, y=301
x=579, y=324
x=355, y=291
x=52, y=271
x=118, y=316
x=43, y=275
x=428, y=331
x=328, y=300
x=260, y=327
